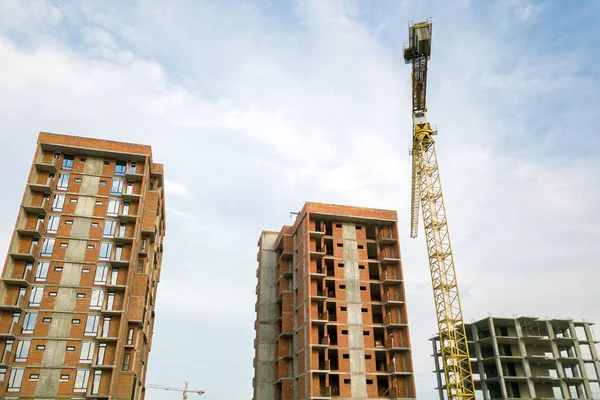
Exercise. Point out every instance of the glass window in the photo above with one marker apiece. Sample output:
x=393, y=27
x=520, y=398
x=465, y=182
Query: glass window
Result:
x=101, y=274
x=29, y=322
x=106, y=327
x=117, y=187
x=132, y=167
x=14, y=381
x=126, y=359
x=120, y=167
x=41, y=273
x=113, y=207
x=91, y=325
x=130, y=336
x=53, y=223
x=35, y=297
x=96, y=299
x=105, y=251
x=101, y=353
x=96, y=381
x=81, y=380
x=68, y=161
x=118, y=252
x=109, y=228
x=63, y=182
x=22, y=350
x=47, y=247
x=58, y=203
x=126, y=208
x=87, y=352
x=122, y=229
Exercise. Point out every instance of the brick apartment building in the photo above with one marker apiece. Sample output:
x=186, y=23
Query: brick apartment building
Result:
x=331, y=311
x=79, y=283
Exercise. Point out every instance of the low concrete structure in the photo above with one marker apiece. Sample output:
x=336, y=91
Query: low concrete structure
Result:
x=530, y=358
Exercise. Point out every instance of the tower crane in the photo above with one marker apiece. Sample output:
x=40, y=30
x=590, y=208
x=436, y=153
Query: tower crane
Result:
x=185, y=389
x=427, y=195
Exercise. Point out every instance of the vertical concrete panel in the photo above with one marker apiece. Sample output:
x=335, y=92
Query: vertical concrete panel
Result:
x=356, y=340
x=60, y=325
x=54, y=355
x=81, y=228
x=265, y=354
x=65, y=299
x=85, y=206
x=93, y=166
x=71, y=274
x=76, y=251
x=47, y=384
x=89, y=185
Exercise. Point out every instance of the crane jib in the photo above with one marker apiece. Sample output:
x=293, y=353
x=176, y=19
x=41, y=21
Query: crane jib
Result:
x=427, y=195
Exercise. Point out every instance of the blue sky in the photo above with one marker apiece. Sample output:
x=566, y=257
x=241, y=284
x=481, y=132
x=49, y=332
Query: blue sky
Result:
x=256, y=107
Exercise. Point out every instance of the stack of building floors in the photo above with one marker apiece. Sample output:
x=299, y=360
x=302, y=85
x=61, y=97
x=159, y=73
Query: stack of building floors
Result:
x=331, y=311
x=78, y=288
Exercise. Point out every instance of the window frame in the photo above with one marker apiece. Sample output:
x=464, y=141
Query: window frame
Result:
x=48, y=243
x=68, y=166
x=61, y=184
x=58, y=203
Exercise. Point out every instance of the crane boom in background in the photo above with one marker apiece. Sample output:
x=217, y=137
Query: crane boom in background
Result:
x=427, y=195
x=184, y=390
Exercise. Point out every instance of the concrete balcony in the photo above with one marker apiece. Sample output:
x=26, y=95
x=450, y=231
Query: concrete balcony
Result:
x=325, y=393
x=43, y=187
x=7, y=358
x=123, y=239
x=320, y=319
x=385, y=237
x=119, y=263
x=24, y=280
x=133, y=177
x=30, y=256
x=115, y=287
x=395, y=368
x=323, y=368
x=320, y=296
x=319, y=273
x=46, y=166
x=108, y=338
x=317, y=253
x=390, y=298
x=387, y=256
x=37, y=209
x=393, y=320
x=126, y=217
x=323, y=343
x=316, y=234
x=111, y=312
x=31, y=229
x=16, y=306
x=12, y=331
x=131, y=196
x=395, y=345
x=389, y=278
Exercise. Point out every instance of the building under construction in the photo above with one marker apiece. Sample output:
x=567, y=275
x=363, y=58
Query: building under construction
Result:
x=530, y=358
x=331, y=311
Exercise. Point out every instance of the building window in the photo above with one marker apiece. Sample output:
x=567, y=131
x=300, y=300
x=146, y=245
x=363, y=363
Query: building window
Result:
x=53, y=222
x=64, y=245
x=116, y=187
x=81, y=380
x=73, y=200
x=59, y=202
x=78, y=180
x=14, y=381
x=64, y=377
x=118, y=252
x=109, y=228
x=22, y=350
x=70, y=348
x=58, y=269
x=120, y=167
x=132, y=167
x=47, y=247
x=40, y=347
x=53, y=294
x=29, y=322
x=96, y=299
x=34, y=377
x=106, y=327
x=90, y=247
x=63, y=182
x=87, y=352
x=68, y=162
x=101, y=354
x=80, y=295
x=101, y=274
x=46, y=319
x=96, y=382
x=126, y=359
x=102, y=182
x=126, y=208
x=113, y=207
x=105, y=251
x=91, y=325
x=69, y=222
x=130, y=337
x=35, y=297
x=41, y=273
x=75, y=321
x=95, y=224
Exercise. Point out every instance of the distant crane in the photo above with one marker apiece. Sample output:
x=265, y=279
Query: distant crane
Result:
x=185, y=389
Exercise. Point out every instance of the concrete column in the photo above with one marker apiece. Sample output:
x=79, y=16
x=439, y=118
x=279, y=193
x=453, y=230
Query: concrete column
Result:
x=480, y=368
x=356, y=340
x=265, y=354
x=559, y=368
x=438, y=370
x=526, y=366
x=497, y=358
x=586, y=383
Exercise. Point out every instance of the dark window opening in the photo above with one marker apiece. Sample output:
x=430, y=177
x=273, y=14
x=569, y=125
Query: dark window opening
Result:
x=363, y=288
x=346, y=381
x=361, y=267
x=338, y=225
x=344, y=331
x=370, y=232
x=374, y=271
x=371, y=251
x=345, y=356
x=358, y=227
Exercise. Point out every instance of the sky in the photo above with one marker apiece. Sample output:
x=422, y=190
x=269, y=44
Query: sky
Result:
x=255, y=107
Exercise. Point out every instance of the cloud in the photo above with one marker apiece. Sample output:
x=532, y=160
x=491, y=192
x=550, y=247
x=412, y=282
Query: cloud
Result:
x=176, y=189
x=256, y=110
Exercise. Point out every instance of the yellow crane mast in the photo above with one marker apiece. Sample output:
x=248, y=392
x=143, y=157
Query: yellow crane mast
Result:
x=427, y=193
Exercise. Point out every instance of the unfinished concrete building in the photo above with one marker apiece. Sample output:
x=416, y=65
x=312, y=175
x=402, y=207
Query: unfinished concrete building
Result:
x=79, y=284
x=530, y=358
x=331, y=310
